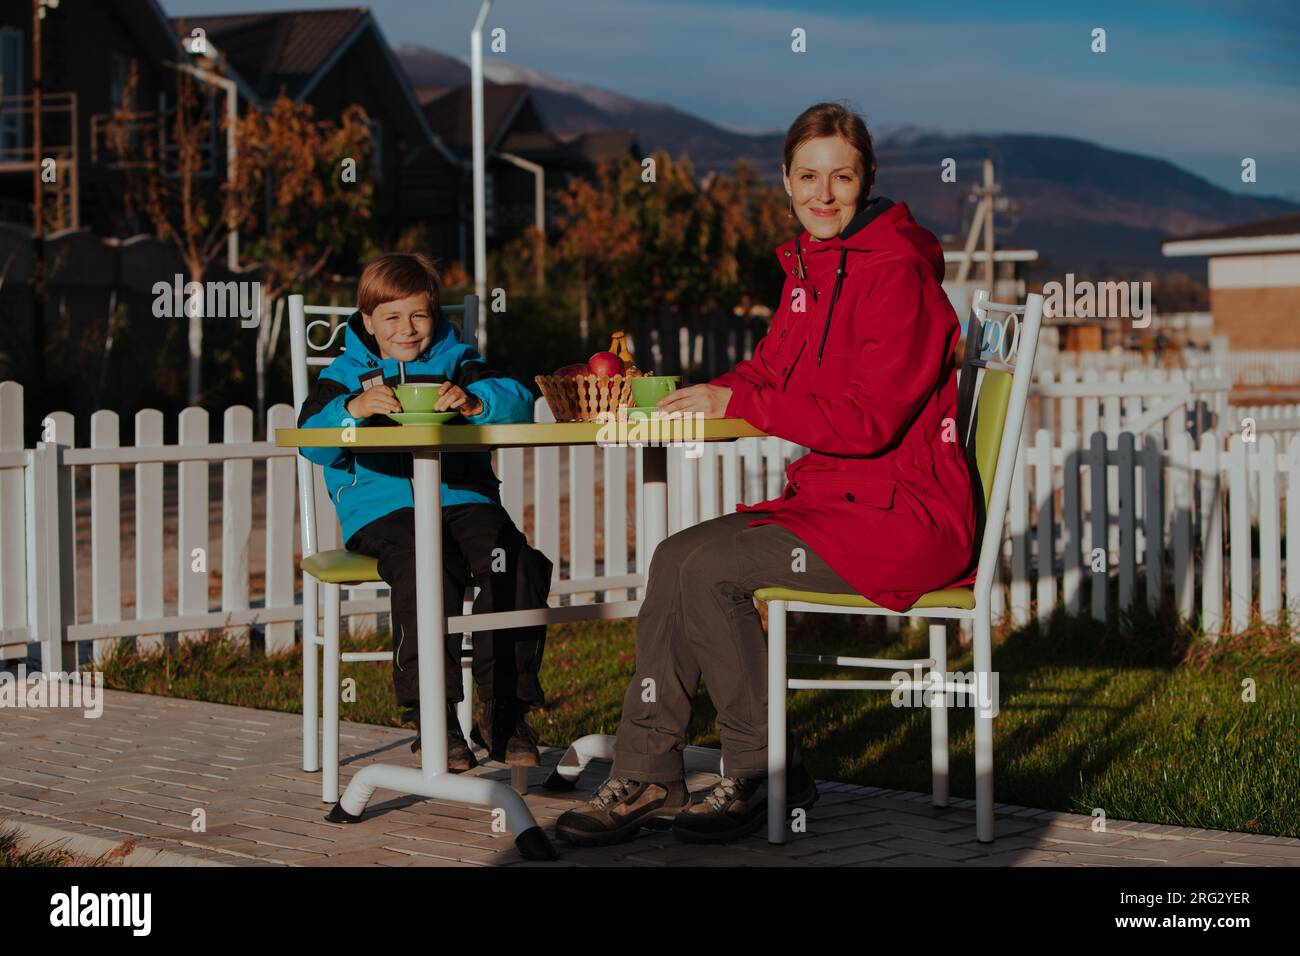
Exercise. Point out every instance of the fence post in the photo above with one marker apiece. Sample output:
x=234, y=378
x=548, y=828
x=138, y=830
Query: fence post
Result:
x=1127, y=523
x=1071, y=522
x=15, y=614
x=51, y=504
x=105, y=532
x=1270, y=536
x=148, y=529
x=582, y=518
x=236, y=517
x=1239, y=545
x=1018, y=516
x=281, y=570
x=192, y=522
x=1154, y=516
x=1211, y=535
x=1181, y=498
x=1043, y=515
x=1098, y=521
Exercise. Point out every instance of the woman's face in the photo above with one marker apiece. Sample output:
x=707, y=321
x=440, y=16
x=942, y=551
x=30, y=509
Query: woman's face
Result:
x=824, y=182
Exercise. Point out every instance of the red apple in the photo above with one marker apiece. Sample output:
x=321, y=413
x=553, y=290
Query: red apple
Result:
x=571, y=371
x=605, y=363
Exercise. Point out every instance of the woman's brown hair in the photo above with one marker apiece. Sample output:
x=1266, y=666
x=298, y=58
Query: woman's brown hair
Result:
x=833, y=119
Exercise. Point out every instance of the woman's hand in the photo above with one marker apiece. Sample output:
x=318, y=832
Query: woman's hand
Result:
x=709, y=400
x=454, y=398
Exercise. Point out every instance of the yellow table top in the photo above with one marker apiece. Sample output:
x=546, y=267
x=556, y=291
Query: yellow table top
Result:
x=530, y=435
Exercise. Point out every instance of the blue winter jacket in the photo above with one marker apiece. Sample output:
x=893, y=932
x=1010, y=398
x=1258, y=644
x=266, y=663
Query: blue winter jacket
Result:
x=368, y=485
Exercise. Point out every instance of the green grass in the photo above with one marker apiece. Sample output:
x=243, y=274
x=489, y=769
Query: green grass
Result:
x=1143, y=720
x=14, y=853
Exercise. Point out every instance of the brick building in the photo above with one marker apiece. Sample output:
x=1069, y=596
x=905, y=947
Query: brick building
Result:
x=1254, y=276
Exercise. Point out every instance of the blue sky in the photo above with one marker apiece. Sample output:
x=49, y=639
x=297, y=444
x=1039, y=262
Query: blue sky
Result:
x=1202, y=83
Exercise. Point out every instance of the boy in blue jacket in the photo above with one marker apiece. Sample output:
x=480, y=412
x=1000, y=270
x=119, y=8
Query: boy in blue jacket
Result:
x=399, y=335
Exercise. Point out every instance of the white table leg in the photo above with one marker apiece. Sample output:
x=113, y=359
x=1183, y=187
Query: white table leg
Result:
x=430, y=616
x=433, y=780
x=654, y=488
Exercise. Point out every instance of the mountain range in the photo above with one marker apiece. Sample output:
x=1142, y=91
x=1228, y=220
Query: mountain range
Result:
x=1086, y=208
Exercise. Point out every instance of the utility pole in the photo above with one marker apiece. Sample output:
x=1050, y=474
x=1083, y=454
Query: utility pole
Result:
x=480, y=192
x=38, y=202
x=38, y=196
x=985, y=196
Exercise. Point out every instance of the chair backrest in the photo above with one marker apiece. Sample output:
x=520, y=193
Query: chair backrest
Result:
x=993, y=391
x=306, y=354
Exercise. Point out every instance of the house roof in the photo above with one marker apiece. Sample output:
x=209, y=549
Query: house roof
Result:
x=288, y=49
x=294, y=50
x=1277, y=226
x=448, y=112
x=153, y=27
x=601, y=144
x=1278, y=234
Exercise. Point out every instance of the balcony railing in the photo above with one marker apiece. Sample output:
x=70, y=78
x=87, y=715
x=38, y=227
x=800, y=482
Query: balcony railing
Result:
x=58, y=130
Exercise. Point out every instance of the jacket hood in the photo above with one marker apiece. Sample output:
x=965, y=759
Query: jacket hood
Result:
x=883, y=226
x=362, y=345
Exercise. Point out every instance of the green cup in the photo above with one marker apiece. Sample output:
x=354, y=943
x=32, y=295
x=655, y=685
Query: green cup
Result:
x=648, y=389
x=417, y=397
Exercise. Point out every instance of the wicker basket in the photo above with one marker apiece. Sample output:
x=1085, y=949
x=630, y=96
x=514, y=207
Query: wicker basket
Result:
x=586, y=398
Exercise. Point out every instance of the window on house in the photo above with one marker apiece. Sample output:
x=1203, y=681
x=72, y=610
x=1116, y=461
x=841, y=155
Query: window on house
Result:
x=11, y=86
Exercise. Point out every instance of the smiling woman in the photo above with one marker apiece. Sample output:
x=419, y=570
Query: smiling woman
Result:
x=858, y=366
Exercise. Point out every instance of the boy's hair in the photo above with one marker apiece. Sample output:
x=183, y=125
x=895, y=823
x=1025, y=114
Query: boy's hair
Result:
x=396, y=275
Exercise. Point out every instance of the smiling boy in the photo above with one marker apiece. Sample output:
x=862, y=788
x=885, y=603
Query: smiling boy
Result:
x=398, y=335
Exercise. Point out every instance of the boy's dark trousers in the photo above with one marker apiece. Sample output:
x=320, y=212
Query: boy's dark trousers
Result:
x=518, y=577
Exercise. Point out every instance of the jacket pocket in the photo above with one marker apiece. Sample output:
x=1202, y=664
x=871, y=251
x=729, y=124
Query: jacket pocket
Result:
x=869, y=492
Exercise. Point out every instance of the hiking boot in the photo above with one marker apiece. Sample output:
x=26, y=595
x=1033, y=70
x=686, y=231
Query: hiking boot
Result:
x=521, y=748
x=737, y=807
x=459, y=756
x=620, y=808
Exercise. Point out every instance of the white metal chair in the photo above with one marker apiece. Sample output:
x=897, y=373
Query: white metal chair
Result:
x=994, y=388
x=327, y=572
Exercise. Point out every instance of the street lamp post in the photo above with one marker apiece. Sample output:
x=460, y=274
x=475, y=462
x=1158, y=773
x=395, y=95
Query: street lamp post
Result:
x=480, y=196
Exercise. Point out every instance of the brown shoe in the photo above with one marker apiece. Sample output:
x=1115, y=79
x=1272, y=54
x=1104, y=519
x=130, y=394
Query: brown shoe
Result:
x=737, y=807
x=521, y=748
x=494, y=727
x=459, y=755
x=619, y=809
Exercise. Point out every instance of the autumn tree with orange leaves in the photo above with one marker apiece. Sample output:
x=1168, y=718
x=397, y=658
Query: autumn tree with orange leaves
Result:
x=626, y=246
x=290, y=198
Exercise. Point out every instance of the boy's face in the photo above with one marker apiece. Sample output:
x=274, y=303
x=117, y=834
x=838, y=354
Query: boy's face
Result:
x=403, y=328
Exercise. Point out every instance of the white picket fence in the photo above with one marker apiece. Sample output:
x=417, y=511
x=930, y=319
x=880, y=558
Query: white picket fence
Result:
x=1242, y=368
x=1122, y=482
x=147, y=563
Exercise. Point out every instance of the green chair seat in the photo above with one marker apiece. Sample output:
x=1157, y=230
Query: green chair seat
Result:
x=342, y=567
x=960, y=598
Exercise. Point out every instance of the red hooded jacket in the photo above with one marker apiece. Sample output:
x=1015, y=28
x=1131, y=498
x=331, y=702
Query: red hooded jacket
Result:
x=865, y=377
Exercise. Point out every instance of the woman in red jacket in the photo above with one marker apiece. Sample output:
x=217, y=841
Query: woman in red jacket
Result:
x=859, y=367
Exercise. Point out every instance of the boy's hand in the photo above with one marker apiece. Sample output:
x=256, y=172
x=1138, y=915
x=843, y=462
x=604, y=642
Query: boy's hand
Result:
x=452, y=397
x=376, y=400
